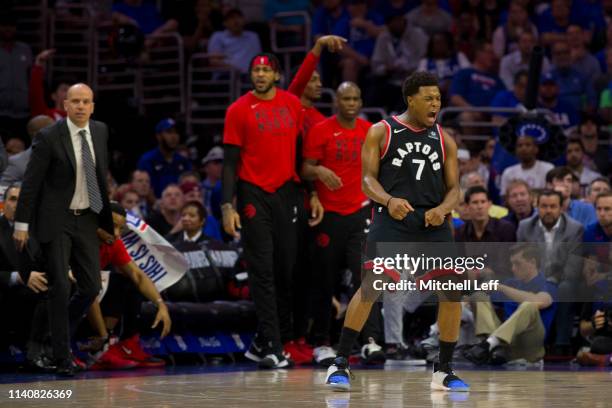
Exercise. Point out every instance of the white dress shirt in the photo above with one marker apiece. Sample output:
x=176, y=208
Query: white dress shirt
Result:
x=194, y=239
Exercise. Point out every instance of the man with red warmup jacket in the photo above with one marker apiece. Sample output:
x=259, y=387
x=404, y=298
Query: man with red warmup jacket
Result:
x=38, y=105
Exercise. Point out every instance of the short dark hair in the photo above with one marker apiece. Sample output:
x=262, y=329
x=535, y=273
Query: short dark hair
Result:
x=9, y=188
x=117, y=209
x=529, y=251
x=475, y=190
x=559, y=173
x=575, y=140
x=273, y=61
x=199, y=208
x=601, y=180
x=549, y=193
x=415, y=81
x=602, y=195
x=521, y=73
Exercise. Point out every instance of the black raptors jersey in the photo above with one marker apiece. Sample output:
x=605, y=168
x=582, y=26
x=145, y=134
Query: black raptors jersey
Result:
x=412, y=163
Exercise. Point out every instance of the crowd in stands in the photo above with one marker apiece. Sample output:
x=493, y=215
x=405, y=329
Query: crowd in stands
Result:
x=480, y=50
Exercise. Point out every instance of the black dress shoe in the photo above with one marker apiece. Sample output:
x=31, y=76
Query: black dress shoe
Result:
x=66, y=368
x=499, y=355
x=41, y=364
x=478, y=354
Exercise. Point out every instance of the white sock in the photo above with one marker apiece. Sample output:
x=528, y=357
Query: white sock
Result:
x=493, y=342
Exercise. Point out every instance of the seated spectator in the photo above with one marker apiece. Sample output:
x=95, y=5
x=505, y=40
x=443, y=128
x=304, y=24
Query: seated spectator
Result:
x=560, y=179
x=529, y=168
x=519, y=202
x=560, y=237
x=518, y=60
x=190, y=176
x=128, y=198
x=597, y=186
x=574, y=88
x=476, y=86
x=529, y=309
x=166, y=220
x=514, y=98
x=430, y=18
x=23, y=283
x=481, y=227
x=475, y=179
x=443, y=60
x=17, y=163
x=596, y=154
x=574, y=157
x=361, y=30
x=582, y=60
x=59, y=88
x=143, y=15
x=234, y=47
x=553, y=22
x=563, y=113
x=396, y=54
x=595, y=325
x=507, y=37
x=192, y=191
x=141, y=183
x=465, y=33
x=122, y=301
x=193, y=219
x=212, y=165
x=163, y=163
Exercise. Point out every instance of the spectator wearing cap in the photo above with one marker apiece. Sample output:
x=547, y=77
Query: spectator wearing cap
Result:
x=529, y=168
x=563, y=113
x=192, y=191
x=16, y=61
x=234, y=47
x=163, y=163
x=212, y=164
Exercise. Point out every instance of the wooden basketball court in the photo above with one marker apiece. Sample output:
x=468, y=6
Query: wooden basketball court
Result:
x=397, y=387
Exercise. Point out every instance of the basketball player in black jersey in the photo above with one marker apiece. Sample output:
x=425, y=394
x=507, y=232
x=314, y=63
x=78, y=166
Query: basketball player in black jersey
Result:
x=410, y=171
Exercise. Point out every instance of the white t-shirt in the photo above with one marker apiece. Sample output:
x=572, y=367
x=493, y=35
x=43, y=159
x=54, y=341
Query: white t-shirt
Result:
x=535, y=176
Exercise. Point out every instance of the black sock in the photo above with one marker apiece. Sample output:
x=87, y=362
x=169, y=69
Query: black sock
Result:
x=347, y=339
x=446, y=354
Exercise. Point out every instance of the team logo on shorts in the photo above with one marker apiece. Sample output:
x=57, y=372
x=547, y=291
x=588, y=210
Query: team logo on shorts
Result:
x=249, y=211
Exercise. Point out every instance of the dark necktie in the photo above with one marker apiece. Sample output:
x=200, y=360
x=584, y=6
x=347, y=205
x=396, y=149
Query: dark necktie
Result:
x=93, y=190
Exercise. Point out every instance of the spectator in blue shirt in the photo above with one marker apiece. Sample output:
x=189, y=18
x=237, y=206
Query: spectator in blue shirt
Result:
x=529, y=309
x=553, y=22
x=327, y=17
x=360, y=29
x=163, y=163
x=511, y=99
x=561, y=179
x=143, y=15
x=563, y=114
x=478, y=85
x=574, y=88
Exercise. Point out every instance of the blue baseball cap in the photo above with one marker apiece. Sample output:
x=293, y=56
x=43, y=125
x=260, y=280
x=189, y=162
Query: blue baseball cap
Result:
x=164, y=125
x=548, y=77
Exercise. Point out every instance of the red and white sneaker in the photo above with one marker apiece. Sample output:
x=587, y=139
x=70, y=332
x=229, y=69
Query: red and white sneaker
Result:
x=112, y=360
x=295, y=353
x=130, y=349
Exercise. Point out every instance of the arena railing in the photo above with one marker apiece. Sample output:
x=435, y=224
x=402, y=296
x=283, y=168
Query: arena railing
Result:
x=210, y=90
x=281, y=41
x=32, y=19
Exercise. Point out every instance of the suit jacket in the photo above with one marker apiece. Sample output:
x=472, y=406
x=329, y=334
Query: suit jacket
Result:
x=12, y=260
x=16, y=168
x=50, y=180
x=564, y=261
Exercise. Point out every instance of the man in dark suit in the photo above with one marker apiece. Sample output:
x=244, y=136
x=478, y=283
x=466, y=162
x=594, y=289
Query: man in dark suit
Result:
x=25, y=285
x=63, y=202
